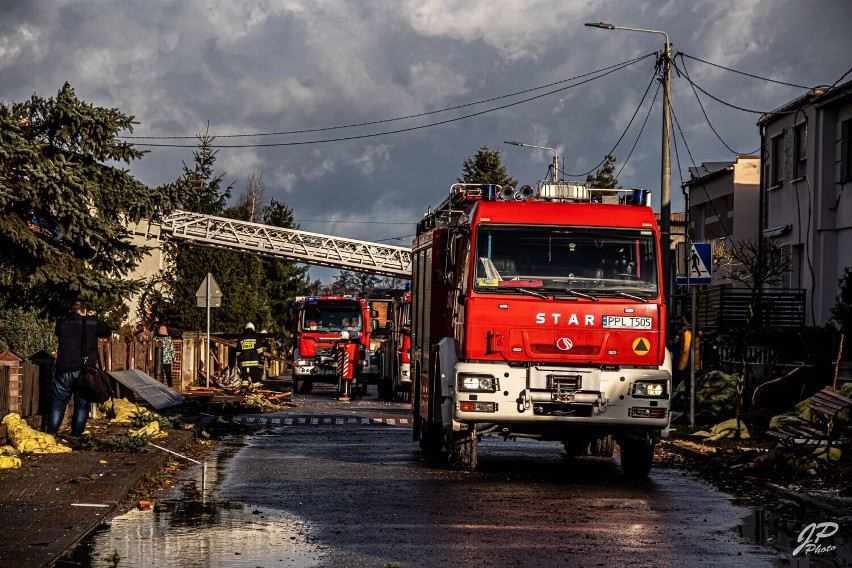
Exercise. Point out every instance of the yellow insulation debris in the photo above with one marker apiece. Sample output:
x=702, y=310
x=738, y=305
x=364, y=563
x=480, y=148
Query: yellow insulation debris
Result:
x=10, y=462
x=9, y=458
x=121, y=409
x=29, y=441
x=151, y=430
x=726, y=429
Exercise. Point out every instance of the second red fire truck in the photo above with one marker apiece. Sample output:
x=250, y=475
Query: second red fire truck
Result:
x=539, y=314
x=318, y=322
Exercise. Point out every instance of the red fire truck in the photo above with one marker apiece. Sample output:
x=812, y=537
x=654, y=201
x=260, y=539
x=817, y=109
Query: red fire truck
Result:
x=539, y=314
x=393, y=352
x=318, y=322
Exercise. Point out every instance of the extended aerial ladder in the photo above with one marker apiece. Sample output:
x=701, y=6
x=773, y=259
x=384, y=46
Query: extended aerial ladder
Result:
x=278, y=242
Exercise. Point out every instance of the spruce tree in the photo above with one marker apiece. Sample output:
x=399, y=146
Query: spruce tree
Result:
x=604, y=177
x=485, y=167
x=66, y=200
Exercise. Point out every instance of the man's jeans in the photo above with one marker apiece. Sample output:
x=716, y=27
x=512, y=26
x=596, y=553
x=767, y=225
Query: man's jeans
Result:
x=63, y=388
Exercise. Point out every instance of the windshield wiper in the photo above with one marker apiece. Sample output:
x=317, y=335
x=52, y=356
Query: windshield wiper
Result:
x=582, y=295
x=529, y=292
x=556, y=291
x=630, y=296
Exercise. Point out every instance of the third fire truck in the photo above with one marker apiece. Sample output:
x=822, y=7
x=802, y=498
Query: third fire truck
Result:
x=539, y=314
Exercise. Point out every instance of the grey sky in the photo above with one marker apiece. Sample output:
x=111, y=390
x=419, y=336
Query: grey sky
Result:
x=272, y=66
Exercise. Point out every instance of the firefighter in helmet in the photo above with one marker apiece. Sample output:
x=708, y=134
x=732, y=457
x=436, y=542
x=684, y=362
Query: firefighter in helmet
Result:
x=249, y=350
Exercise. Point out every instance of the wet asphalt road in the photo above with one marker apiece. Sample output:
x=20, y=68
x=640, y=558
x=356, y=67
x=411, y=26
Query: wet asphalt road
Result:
x=362, y=494
x=334, y=484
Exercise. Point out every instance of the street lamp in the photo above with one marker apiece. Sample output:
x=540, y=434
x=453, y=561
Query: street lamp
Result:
x=554, y=174
x=666, y=170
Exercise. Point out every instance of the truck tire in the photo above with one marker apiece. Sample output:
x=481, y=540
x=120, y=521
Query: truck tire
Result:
x=637, y=456
x=430, y=437
x=302, y=386
x=460, y=449
x=385, y=388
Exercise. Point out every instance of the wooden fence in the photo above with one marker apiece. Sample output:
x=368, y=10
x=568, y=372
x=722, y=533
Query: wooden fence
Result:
x=26, y=387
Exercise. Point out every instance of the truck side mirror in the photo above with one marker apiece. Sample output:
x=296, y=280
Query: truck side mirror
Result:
x=374, y=313
x=374, y=325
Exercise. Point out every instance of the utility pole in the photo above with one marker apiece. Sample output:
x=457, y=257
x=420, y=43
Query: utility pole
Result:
x=666, y=169
x=666, y=174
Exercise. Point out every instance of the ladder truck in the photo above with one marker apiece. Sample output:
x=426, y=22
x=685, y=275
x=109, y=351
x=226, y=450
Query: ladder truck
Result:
x=539, y=314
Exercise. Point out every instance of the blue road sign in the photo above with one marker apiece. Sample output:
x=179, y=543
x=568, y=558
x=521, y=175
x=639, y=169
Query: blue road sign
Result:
x=700, y=265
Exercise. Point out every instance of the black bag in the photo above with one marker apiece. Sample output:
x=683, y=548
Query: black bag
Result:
x=94, y=384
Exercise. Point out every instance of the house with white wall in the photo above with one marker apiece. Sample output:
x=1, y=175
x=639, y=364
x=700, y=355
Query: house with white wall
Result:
x=807, y=192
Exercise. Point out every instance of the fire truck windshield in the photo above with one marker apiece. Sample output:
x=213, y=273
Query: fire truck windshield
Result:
x=331, y=319
x=601, y=260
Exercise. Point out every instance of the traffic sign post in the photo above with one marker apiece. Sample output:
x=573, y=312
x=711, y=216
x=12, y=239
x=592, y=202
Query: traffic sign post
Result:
x=695, y=269
x=208, y=296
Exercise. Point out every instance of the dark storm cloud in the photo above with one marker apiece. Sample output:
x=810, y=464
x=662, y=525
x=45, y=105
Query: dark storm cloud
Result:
x=269, y=66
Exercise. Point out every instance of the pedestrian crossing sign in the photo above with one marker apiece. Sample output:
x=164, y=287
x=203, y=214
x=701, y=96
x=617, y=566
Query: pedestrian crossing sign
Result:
x=696, y=265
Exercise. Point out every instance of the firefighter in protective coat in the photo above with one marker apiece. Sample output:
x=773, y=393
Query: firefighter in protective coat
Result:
x=249, y=352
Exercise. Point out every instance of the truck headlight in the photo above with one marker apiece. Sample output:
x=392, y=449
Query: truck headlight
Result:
x=477, y=383
x=649, y=389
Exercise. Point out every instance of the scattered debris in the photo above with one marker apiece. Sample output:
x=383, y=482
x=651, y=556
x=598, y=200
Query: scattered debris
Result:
x=29, y=441
x=150, y=432
x=732, y=428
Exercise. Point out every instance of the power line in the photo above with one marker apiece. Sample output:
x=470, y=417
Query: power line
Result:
x=704, y=112
x=641, y=130
x=384, y=121
x=722, y=222
x=351, y=222
x=717, y=99
x=623, y=133
x=400, y=130
x=744, y=73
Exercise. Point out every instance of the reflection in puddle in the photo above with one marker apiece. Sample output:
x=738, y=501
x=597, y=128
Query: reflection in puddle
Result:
x=767, y=529
x=194, y=529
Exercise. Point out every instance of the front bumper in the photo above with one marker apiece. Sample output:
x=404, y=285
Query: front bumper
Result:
x=539, y=397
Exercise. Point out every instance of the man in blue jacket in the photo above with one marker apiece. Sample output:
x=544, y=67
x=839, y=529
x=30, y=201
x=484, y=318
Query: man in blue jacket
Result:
x=69, y=363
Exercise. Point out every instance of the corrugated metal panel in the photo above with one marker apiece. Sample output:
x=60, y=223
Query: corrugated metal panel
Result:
x=153, y=392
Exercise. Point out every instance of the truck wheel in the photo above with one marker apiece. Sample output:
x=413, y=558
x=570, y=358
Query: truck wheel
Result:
x=603, y=447
x=430, y=438
x=636, y=458
x=385, y=389
x=460, y=449
x=302, y=386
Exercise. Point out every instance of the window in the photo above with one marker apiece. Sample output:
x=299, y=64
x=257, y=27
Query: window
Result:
x=801, y=150
x=777, y=167
x=561, y=259
x=846, y=151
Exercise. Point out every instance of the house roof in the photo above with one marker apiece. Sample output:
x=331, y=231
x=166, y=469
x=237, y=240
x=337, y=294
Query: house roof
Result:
x=676, y=219
x=818, y=95
x=707, y=171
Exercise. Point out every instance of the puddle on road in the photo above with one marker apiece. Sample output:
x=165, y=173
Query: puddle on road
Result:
x=767, y=529
x=191, y=528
